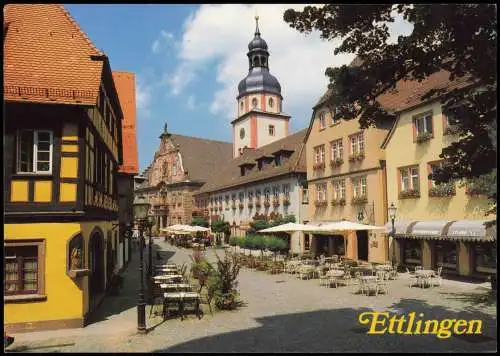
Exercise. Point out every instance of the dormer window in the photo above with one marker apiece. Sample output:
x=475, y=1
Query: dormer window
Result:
x=277, y=159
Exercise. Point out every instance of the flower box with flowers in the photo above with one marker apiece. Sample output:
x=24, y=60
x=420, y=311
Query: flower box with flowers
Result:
x=320, y=165
x=320, y=203
x=233, y=206
x=423, y=137
x=442, y=190
x=286, y=201
x=250, y=205
x=257, y=204
x=356, y=157
x=359, y=200
x=338, y=202
x=241, y=206
x=276, y=202
x=409, y=194
x=267, y=204
x=336, y=162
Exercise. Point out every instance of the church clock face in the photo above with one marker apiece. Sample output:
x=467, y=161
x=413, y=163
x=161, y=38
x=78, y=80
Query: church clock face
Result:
x=242, y=133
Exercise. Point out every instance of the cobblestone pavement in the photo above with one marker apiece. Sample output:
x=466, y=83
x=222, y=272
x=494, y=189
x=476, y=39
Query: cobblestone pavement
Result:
x=281, y=314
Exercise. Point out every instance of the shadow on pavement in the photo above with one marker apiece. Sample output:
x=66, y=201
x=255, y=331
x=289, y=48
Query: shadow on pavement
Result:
x=339, y=330
x=128, y=294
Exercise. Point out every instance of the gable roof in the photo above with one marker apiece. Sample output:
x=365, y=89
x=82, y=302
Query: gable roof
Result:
x=202, y=158
x=125, y=87
x=48, y=58
x=230, y=175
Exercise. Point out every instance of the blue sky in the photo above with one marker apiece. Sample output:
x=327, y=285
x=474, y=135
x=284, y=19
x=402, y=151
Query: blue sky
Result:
x=188, y=60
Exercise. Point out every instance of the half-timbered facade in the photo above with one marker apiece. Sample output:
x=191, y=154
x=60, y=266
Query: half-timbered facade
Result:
x=62, y=150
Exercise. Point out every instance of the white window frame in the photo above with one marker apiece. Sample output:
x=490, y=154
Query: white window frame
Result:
x=321, y=192
x=339, y=189
x=319, y=154
x=409, y=176
x=276, y=191
x=357, y=144
x=337, y=149
x=422, y=118
x=35, y=150
x=335, y=118
x=359, y=187
x=267, y=194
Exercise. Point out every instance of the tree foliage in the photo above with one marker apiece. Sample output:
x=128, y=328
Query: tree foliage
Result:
x=458, y=38
x=199, y=221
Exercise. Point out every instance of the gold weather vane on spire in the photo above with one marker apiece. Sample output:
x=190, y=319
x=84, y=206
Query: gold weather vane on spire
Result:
x=257, y=32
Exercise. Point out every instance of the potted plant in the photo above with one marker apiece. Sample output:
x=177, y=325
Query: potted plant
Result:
x=276, y=202
x=336, y=162
x=423, y=137
x=338, y=202
x=362, y=199
x=442, y=190
x=409, y=194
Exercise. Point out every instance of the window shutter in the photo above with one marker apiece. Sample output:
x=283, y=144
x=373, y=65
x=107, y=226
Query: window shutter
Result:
x=414, y=127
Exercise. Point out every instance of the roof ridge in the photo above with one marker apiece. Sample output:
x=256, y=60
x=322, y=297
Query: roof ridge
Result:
x=79, y=29
x=201, y=138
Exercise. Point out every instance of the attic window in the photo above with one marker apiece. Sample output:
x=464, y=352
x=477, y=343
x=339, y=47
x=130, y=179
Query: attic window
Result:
x=242, y=170
x=277, y=159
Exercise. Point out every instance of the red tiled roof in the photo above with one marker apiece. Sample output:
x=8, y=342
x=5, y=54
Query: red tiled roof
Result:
x=125, y=87
x=47, y=57
x=408, y=93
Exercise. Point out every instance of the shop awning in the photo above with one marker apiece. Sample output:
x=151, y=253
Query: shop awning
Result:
x=429, y=228
x=401, y=226
x=471, y=230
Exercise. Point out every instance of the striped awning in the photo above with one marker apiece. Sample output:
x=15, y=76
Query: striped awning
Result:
x=471, y=230
x=401, y=226
x=430, y=228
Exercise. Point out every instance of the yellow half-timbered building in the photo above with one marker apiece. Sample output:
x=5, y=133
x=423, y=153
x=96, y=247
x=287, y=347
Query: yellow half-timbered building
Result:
x=62, y=150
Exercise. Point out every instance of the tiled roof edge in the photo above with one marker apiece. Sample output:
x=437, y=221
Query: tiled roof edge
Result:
x=79, y=30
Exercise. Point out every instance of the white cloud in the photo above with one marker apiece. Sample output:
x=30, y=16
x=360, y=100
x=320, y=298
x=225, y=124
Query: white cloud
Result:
x=192, y=104
x=163, y=39
x=221, y=33
x=143, y=99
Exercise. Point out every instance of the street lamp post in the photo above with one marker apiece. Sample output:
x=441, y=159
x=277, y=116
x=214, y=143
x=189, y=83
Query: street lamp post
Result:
x=392, y=215
x=150, y=258
x=141, y=208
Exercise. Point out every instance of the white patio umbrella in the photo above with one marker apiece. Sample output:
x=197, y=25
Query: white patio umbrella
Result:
x=347, y=226
x=288, y=227
x=200, y=228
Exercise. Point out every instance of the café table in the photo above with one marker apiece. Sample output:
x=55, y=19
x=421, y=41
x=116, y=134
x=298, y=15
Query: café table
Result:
x=168, y=277
x=181, y=298
x=176, y=287
x=424, y=277
x=334, y=275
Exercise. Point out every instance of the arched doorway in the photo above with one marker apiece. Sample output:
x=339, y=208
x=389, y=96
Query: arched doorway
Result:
x=96, y=267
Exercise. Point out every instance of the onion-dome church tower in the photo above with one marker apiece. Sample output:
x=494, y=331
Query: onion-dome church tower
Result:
x=260, y=118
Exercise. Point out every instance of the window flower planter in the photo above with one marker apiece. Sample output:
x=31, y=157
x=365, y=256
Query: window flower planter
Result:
x=257, y=205
x=233, y=206
x=276, y=202
x=423, y=137
x=442, y=190
x=286, y=202
x=241, y=206
x=320, y=203
x=357, y=157
x=359, y=200
x=336, y=162
x=267, y=204
x=250, y=205
x=319, y=165
x=409, y=194
x=338, y=202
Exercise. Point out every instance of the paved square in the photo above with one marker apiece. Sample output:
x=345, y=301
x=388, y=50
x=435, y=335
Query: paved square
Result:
x=281, y=314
